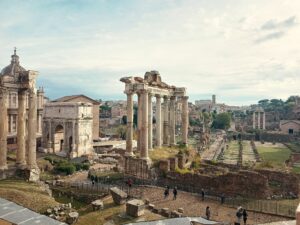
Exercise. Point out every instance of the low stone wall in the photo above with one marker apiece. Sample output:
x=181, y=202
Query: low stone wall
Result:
x=244, y=183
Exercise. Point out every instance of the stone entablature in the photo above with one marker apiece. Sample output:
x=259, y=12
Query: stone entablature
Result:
x=67, y=128
x=165, y=113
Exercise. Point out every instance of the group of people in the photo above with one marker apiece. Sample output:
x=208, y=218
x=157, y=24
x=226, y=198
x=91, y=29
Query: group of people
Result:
x=241, y=214
x=167, y=192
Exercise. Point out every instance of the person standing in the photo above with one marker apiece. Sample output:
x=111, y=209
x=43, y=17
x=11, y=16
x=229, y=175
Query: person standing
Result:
x=174, y=193
x=245, y=216
x=239, y=214
x=202, y=194
x=222, y=198
x=166, y=192
x=207, y=213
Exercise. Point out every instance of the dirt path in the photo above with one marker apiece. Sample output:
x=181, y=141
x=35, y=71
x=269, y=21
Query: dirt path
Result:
x=194, y=206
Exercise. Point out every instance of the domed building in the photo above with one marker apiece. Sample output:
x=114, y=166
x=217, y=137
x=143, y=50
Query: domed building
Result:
x=12, y=75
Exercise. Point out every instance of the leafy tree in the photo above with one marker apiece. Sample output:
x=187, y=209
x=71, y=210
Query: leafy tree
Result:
x=222, y=121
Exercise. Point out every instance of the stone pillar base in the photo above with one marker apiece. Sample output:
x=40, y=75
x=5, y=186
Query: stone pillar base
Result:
x=148, y=161
x=32, y=175
x=129, y=154
x=21, y=165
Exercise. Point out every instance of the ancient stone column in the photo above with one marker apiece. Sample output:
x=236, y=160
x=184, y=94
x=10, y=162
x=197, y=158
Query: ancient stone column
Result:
x=258, y=121
x=264, y=120
x=253, y=120
x=139, y=121
x=32, y=123
x=50, y=142
x=158, y=120
x=129, y=131
x=3, y=128
x=21, y=151
x=150, y=119
x=172, y=120
x=185, y=119
x=166, y=121
x=144, y=126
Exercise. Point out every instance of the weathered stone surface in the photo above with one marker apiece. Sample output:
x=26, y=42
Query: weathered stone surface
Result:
x=151, y=206
x=175, y=214
x=180, y=210
x=72, y=217
x=32, y=174
x=118, y=196
x=166, y=212
x=97, y=205
x=135, y=208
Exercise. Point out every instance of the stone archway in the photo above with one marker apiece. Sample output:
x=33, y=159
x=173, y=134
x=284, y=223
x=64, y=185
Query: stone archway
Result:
x=59, y=138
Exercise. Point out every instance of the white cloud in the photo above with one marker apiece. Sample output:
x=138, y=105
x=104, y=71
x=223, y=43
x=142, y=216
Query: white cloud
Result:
x=207, y=46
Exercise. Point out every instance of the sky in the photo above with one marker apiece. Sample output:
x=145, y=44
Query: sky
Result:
x=240, y=50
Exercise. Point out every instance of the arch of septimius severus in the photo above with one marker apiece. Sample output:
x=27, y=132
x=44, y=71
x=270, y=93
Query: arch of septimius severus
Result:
x=16, y=79
x=147, y=88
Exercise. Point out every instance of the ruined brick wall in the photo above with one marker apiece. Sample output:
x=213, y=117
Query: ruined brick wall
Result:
x=137, y=168
x=244, y=183
x=281, y=183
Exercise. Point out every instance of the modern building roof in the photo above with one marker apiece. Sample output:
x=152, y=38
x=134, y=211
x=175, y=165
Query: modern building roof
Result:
x=178, y=221
x=16, y=214
x=72, y=97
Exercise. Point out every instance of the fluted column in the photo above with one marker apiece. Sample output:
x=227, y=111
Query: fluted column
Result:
x=144, y=126
x=253, y=120
x=3, y=128
x=50, y=142
x=166, y=121
x=21, y=151
x=172, y=121
x=258, y=121
x=158, y=120
x=32, y=123
x=129, y=131
x=139, y=121
x=150, y=121
x=185, y=120
x=264, y=120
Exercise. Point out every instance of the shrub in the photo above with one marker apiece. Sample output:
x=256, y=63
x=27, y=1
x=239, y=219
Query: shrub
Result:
x=182, y=171
x=65, y=167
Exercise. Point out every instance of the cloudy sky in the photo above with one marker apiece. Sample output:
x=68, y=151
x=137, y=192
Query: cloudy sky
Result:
x=240, y=50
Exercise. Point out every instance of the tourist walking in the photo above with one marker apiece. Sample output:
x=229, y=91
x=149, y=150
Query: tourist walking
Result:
x=174, y=193
x=239, y=214
x=166, y=192
x=207, y=213
x=202, y=194
x=245, y=216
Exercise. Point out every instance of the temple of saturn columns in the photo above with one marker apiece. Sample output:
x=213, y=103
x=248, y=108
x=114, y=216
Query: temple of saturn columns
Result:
x=15, y=78
x=259, y=119
x=147, y=88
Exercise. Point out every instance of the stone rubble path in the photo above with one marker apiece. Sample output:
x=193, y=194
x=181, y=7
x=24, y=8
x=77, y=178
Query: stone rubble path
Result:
x=194, y=206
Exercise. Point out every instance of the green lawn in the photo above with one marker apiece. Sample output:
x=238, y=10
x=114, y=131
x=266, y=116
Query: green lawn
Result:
x=276, y=156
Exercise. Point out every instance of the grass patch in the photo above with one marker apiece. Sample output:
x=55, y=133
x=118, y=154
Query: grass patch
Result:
x=163, y=153
x=29, y=195
x=276, y=156
x=183, y=171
